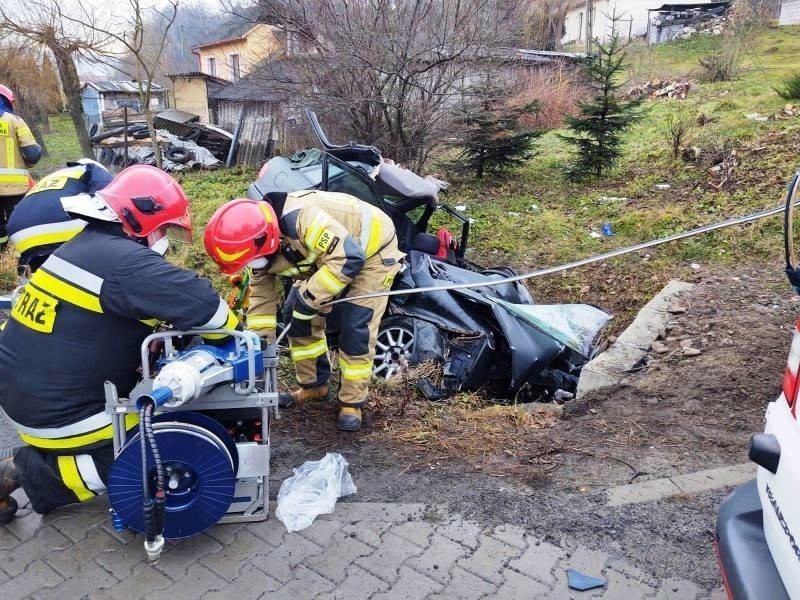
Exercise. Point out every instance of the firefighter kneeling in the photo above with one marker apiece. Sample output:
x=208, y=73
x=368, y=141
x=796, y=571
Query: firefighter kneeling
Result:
x=80, y=321
x=335, y=244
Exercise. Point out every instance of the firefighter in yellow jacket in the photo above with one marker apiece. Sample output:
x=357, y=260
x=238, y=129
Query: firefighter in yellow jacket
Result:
x=334, y=244
x=18, y=151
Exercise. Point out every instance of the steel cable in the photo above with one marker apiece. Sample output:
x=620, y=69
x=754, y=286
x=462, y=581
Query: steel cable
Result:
x=583, y=261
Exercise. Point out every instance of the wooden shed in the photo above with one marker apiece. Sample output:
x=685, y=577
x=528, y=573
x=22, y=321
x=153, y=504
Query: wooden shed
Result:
x=104, y=102
x=257, y=112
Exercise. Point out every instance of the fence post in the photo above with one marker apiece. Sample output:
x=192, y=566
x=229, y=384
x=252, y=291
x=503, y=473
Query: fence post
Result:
x=235, y=140
x=125, y=134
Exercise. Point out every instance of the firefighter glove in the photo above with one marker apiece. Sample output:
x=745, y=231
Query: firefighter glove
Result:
x=295, y=307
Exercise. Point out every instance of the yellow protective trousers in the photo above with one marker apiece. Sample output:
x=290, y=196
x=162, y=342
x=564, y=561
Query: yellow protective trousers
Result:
x=360, y=321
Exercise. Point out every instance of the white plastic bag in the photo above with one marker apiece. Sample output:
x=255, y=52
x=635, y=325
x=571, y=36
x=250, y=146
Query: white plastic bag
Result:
x=313, y=490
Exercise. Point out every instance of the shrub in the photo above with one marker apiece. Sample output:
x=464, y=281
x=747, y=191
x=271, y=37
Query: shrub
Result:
x=602, y=118
x=497, y=134
x=556, y=90
x=790, y=87
x=678, y=128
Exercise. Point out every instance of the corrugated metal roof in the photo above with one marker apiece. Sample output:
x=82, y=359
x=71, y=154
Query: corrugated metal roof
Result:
x=689, y=6
x=191, y=74
x=535, y=56
x=258, y=87
x=125, y=87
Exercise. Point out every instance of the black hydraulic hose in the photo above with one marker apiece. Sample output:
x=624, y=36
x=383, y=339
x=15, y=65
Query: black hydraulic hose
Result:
x=143, y=446
x=151, y=438
x=571, y=265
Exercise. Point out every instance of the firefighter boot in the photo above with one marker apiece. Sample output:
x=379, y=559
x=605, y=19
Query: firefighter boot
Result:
x=9, y=481
x=349, y=418
x=303, y=394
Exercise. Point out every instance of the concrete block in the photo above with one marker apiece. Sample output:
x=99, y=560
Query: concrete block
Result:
x=386, y=559
x=645, y=491
x=358, y=584
x=518, y=587
x=538, y=561
x=194, y=584
x=677, y=589
x=410, y=586
x=489, y=560
x=611, y=366
x=36, y=578
x=463, y=585
x=714, y=479
x=439, y=558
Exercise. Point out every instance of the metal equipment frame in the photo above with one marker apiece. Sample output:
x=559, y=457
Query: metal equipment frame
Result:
x=256, y=392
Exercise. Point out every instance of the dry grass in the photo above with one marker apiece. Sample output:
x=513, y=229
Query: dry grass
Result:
x=8, y=271
x=465, y=430
x=556, y=90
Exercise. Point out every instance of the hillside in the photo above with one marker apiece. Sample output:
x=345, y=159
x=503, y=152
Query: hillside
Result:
x=535, y=217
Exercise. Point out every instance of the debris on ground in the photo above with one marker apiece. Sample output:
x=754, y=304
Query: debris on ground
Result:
x=723, y=163
x=581, y=582
x=660, y=89
x=176, y=154
x=187, y=126
x=755, y=116
x=185, y=143
x=789, y=111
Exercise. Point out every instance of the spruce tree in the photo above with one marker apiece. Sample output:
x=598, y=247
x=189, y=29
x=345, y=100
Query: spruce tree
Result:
x=602, y=118
x=495, y=136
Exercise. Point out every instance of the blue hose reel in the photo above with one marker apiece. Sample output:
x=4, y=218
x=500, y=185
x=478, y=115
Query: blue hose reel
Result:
x=200, y=460
x=182, y=471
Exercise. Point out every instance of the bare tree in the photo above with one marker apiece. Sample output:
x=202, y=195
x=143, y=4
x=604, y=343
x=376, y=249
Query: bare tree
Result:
x=544, y=24
x=43, y=22
x=131, y=37
x=678, y=128
x=390, y=71
x=194, y=23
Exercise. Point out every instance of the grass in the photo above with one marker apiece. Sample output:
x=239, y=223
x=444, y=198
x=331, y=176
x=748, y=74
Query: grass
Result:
x=62, y=145
x=536, y=218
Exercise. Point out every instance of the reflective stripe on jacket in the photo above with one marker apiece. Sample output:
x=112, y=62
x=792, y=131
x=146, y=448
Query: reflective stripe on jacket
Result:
x=334, y=234
x=14, y=135
x=38, y=224
x=80, y=321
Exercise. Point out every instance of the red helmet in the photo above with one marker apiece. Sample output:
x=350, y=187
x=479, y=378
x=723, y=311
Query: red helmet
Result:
x=6, y=93
x=148, y=202
x=241, y=231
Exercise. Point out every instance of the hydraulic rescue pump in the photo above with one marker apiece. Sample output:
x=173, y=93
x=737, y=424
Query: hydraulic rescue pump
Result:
x=200, y=453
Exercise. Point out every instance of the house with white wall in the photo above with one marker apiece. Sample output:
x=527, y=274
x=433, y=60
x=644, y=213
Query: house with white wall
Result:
x=790, y=12
x=631, y=15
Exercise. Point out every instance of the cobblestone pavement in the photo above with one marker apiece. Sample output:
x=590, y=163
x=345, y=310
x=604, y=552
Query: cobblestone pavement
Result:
x=364, y=550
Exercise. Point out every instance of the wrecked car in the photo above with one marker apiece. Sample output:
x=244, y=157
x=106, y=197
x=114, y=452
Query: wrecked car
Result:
x=493, y=338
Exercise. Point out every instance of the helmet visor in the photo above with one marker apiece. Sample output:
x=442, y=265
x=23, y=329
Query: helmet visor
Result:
x=174, y=233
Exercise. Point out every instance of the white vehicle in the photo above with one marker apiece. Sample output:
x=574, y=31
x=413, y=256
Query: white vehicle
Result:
x=758, y=527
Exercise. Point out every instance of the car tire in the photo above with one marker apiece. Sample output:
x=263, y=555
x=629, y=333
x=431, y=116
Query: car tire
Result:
x=178, y=155
x=394, y=345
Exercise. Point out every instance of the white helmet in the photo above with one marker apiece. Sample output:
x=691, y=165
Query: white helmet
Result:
x=85, y=161
x=89, y=205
